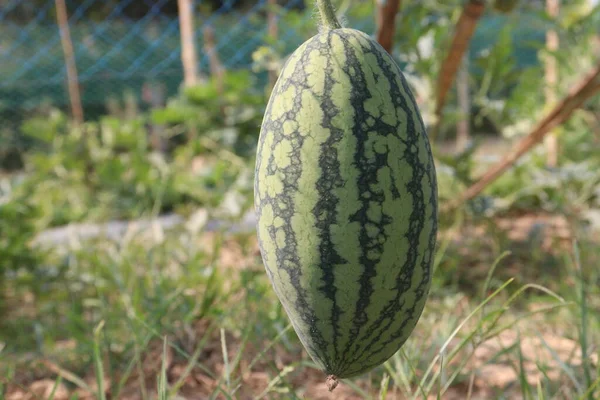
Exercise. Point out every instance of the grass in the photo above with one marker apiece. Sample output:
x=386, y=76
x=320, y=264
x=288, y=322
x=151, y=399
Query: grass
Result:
x=512, y=313
x=193, y=314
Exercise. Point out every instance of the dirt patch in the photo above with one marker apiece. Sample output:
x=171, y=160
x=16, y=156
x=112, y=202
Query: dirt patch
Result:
x=543, y=356
x=201, y=380
x=248, y=382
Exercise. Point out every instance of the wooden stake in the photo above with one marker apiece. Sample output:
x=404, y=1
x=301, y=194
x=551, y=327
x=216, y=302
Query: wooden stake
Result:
x=586, y=88
x=189, y=59
x=69, y=54
x=464, y=102
x=465, y=28
x=216, y=68
x=273, y=32
x=386, y=22
x=551, y=140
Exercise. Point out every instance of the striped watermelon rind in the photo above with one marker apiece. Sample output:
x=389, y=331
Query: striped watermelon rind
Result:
x=346, y=199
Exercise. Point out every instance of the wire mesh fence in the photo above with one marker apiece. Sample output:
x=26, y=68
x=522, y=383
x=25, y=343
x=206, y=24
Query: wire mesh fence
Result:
x=121, y=46
x=116, y=47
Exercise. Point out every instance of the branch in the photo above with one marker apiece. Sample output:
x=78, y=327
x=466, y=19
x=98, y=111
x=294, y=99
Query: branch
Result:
x=465, y=27
x=584, y=90
x=386, y=22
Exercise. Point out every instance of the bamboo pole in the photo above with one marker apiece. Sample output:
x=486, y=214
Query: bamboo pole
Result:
x=71, y=66
x=551, y=75
x=585, y=89
x=189, y=60
x=385, y=19
x=465, y=28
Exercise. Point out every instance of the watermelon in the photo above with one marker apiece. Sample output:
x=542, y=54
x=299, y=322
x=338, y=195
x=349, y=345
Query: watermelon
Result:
x=346, y=200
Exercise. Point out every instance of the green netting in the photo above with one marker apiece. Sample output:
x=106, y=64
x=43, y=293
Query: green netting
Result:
x=116, y=53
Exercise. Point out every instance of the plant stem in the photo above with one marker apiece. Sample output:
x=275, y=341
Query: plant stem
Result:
x=328, y=17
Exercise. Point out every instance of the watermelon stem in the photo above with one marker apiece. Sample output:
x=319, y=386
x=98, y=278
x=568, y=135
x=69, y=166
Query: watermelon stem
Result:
x=332, y=382
x=328, y=17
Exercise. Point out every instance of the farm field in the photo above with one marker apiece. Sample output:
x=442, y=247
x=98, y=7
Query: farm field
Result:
x=130, y=265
